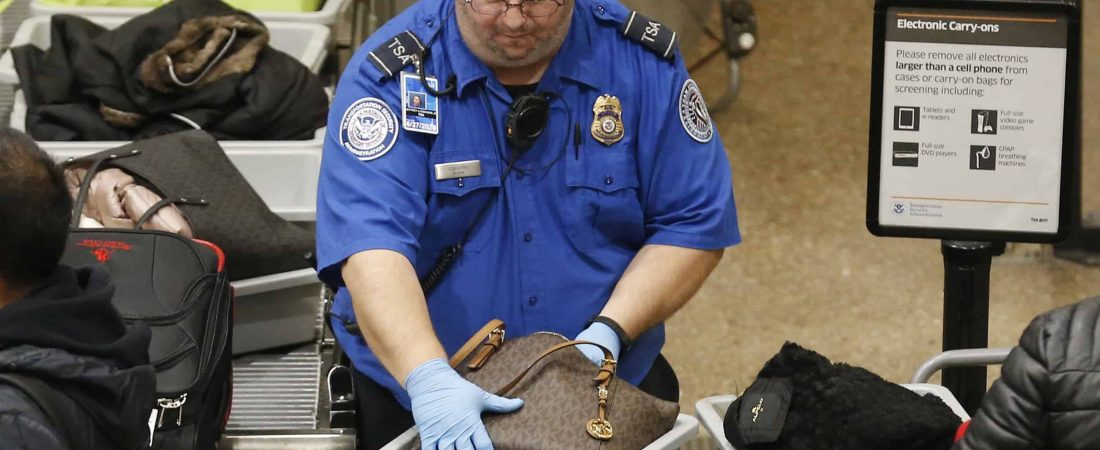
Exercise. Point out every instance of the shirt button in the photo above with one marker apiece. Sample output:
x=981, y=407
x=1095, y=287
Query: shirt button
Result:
x=533, y=301
x=431, y=23
x=461, y=183
x=527, y=237
x=600, y=9
x=607, y=179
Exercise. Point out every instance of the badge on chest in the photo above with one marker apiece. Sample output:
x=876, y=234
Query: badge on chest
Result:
x=419, y=109
x=607, y=120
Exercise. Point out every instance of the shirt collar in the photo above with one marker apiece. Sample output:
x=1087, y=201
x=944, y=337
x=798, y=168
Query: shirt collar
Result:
x=574, y=61
x=466, y=67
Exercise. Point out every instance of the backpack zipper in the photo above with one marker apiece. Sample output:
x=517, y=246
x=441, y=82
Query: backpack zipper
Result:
x=175, y=404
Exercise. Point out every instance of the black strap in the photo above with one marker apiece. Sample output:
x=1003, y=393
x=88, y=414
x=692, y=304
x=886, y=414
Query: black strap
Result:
x=624, y=339
x=49, y=400
x=165, y=202
x=446, y=259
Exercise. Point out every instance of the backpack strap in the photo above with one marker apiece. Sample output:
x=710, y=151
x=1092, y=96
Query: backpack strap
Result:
x=50, y=401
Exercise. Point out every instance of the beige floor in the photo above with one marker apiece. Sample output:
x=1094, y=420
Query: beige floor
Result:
x=808, y=270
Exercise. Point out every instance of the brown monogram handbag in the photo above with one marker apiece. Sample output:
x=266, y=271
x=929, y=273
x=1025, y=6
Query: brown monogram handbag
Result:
x=568, y=403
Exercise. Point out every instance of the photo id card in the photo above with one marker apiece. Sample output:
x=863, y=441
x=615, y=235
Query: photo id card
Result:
x=419, y=108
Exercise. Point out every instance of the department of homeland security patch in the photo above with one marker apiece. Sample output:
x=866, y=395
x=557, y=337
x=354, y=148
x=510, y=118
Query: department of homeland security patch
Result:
x=368, y=129
x=693, y=113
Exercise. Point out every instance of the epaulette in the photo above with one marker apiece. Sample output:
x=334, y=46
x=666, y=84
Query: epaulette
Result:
x=651, y=34
x=396, y=53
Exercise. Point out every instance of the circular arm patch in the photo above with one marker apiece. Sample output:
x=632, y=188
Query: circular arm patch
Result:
x=368, y=129
x=693, y=113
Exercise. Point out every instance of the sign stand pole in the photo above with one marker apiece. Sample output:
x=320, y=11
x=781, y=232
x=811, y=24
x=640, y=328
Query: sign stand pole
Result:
x=966, y=313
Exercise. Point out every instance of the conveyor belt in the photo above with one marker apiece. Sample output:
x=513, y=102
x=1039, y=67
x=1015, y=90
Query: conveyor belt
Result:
x=276, y=391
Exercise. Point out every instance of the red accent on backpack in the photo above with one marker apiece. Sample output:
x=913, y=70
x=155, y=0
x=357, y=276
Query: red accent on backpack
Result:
x=103, y=250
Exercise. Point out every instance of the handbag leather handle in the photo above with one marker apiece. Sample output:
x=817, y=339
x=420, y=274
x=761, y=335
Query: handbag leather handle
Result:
x=496, y=327
x=607, y=369
x=486, y=332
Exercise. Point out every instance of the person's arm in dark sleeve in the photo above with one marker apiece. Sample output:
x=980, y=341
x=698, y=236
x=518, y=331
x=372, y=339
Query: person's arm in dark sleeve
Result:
x=1013, y=415
x=23, y=426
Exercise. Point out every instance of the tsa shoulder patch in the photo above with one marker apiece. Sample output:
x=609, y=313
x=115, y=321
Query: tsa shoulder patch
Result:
x=651, y=34
x=396, y=53
x=368, y=129
x=693, y=113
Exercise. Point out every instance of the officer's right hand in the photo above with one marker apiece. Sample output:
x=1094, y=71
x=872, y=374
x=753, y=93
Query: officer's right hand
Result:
x=447, y=408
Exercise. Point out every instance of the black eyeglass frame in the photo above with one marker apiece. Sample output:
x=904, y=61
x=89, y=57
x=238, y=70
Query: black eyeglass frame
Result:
x=508, y=5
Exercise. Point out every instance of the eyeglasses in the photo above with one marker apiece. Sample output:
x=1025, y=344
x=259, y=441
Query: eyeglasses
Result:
x=529, y=8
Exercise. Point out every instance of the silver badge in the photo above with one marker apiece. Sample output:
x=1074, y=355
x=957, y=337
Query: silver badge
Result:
x=693, y=113
x=458, y=169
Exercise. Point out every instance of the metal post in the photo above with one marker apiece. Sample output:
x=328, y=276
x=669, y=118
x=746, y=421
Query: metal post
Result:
x=966, y=313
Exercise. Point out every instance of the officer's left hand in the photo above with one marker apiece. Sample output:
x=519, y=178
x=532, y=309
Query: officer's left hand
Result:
x=599, y=334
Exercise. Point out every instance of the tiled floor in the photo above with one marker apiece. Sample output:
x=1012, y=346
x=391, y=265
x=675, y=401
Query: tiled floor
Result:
x=808, y=270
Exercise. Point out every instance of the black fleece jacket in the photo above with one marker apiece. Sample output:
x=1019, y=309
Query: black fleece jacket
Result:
x=67, y=333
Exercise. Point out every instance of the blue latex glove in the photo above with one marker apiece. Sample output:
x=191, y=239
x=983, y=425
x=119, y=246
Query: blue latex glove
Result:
x=600, y=334
x=447, y=408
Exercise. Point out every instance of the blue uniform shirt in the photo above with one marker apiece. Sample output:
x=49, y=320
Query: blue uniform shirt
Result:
x=572, y=214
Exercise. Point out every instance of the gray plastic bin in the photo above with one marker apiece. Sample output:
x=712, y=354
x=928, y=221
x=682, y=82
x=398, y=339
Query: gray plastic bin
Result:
x=276, y=310
x=328, y=14
x=686, y=429
x=712, y=410
x=306, y=42
x=284, y=173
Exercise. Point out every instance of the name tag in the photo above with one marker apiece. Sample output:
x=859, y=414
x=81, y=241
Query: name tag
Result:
x=460, y=169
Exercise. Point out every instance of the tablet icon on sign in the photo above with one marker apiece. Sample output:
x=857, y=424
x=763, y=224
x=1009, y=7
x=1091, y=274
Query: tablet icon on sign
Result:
x=906, y=118
x=983, y=157
x=983, y=121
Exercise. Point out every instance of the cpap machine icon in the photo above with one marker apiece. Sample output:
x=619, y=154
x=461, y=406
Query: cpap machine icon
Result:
x=983, y=157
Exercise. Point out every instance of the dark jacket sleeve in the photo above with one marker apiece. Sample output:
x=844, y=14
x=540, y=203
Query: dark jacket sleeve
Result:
x=1013, y=415
x=23, y=426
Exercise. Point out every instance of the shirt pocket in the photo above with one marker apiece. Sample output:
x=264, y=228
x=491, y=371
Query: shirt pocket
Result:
x=454, y=203
x=603, y=199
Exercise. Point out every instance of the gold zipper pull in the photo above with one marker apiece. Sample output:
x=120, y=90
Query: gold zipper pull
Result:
x=600, y=428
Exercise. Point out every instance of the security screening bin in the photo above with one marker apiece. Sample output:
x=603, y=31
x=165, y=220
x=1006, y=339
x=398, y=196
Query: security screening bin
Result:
x=711, y=411
x=284, y=173
x=265, y=10
x=276, y=310
x=685, y=429
x=306, y=42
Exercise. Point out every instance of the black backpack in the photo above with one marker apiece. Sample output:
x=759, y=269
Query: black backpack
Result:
x=178, y=287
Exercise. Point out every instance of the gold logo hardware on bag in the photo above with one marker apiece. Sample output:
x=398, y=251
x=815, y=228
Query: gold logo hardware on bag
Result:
x=568, y=402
